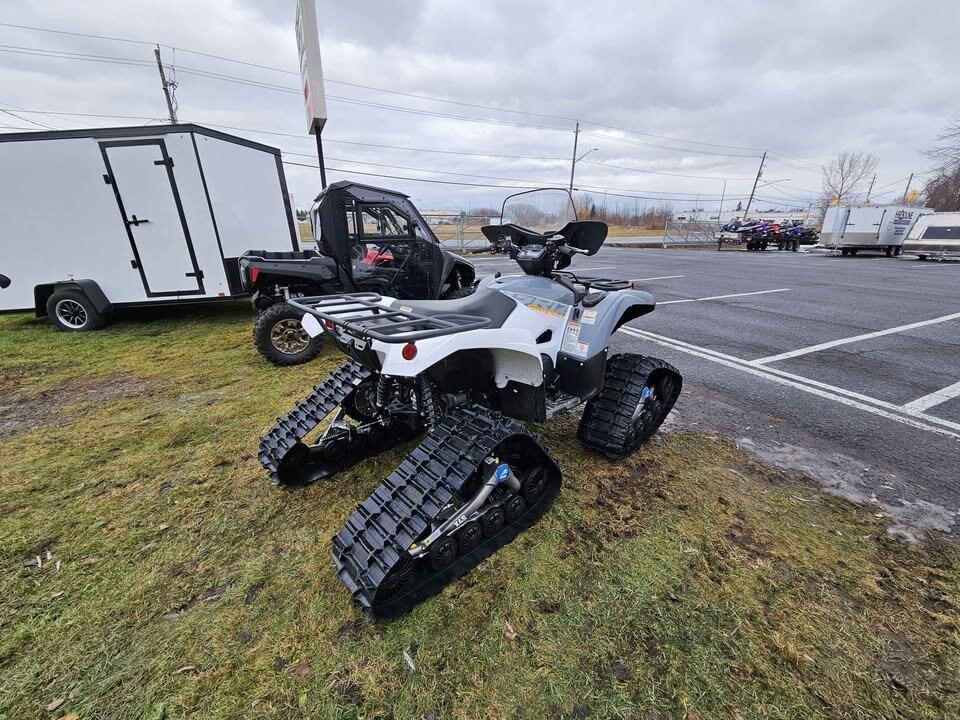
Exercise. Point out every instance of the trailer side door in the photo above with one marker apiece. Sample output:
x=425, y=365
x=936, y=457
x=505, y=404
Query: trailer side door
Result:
x=142, y=175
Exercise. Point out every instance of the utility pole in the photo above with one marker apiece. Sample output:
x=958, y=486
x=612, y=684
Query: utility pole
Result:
x=573, y=160
x=870, y=189
x=906, y=190
x=166, y=87
x=746, y=213
x=723, y=194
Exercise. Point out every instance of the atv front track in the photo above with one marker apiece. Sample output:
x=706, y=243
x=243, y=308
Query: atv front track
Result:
x=371, y=551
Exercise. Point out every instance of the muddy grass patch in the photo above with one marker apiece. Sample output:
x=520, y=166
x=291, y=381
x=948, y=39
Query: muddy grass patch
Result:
x=56, y=406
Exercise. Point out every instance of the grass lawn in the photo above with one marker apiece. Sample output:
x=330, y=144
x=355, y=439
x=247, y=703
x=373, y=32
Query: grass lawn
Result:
x=150, y=570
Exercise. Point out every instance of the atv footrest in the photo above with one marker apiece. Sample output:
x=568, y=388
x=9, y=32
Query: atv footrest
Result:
x=363, y=315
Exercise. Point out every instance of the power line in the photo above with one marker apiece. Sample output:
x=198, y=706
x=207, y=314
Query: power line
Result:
x=658, y=172
x=662, y=147
x=28, y=120
x=393, y=92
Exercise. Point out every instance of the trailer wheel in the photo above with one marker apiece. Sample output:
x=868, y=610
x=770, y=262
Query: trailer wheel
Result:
x=71, y=310
x=897, y=250
x=281, y=339
x=888, y=252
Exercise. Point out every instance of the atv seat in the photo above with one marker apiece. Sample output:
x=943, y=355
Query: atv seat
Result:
x=485, y=303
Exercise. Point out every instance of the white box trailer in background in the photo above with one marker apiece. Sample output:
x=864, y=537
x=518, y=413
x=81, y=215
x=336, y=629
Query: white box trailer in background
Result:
x=851, y=228
x=93, y=220
x=936, y=235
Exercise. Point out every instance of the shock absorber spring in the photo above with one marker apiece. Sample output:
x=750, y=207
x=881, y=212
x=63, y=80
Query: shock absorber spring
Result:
x=384, y=385
x=427, y=401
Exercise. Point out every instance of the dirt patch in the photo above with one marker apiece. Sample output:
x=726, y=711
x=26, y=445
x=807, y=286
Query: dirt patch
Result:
x=21, y=412
x=623, y=494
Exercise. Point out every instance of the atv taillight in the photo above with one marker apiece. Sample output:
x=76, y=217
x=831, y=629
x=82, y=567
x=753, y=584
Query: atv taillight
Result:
x=330, y=325
x=254, y=274
x=409, y=351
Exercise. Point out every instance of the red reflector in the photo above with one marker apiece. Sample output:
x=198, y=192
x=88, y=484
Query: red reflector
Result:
x=254, y=274
x=409, y=351
x=330, y=324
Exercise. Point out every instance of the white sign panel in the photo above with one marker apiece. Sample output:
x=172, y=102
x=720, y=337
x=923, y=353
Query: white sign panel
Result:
x=311, y=70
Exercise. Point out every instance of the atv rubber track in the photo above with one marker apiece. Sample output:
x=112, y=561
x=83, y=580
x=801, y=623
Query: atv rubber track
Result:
x=378, y=534
x=607, y=423
x=284, y=437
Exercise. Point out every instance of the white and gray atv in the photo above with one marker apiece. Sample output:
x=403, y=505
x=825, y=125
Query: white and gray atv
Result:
x=523, y=347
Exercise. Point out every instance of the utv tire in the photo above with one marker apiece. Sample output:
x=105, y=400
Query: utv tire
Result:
x=638, y=394
x=281, y=339
x=72, y=311
x=455, y=293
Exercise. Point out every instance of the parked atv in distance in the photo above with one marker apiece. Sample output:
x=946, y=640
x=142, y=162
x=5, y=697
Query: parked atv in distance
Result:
x=369, y=240
x=467, y=372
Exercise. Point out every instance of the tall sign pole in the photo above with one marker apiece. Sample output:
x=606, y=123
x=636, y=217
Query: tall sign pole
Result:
x=311, y=76
x=746, y=213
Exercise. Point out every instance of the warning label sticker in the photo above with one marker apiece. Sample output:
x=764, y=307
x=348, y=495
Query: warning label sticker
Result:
x=571, y=341
x=589, y=317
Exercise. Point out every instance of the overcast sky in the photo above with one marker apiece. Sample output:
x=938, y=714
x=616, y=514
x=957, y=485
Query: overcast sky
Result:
x=804, y=80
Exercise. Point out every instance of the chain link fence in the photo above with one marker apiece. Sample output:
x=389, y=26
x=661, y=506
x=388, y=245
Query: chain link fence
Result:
x=690, y=232
x=460, y=232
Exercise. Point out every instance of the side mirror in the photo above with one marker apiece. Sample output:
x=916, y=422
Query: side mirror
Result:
x=4, y=282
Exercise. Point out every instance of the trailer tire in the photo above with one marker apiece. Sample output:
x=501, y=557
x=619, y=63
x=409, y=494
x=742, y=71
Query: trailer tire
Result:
x=72, y=311
x=888, y=252
x=280, y=338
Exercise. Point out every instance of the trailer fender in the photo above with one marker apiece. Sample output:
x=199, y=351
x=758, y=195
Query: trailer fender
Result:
x=90, y=288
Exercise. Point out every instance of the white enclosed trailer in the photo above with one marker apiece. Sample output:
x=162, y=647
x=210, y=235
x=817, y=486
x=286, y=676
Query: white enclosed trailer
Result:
x=93, y=220
x=936, y=235
x=851, y=228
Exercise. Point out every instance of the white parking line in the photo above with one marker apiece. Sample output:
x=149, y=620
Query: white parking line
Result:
x=935, y=398
x=855, y=338
x=721, y=297
x=659, y=277
x=838, y=395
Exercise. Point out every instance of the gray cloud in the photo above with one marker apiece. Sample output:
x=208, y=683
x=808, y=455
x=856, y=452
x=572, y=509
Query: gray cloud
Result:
x=804, y=79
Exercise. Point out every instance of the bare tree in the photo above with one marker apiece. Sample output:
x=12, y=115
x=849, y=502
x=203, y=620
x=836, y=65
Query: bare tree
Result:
x=846, y=174
x=942, y=193
x=946, y=152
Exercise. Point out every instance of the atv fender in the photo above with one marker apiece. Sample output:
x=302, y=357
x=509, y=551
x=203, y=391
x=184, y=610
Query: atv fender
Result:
x=610, y=313
x=515, y=357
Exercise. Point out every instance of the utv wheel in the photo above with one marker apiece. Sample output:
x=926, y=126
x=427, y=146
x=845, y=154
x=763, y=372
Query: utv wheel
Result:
x=845, y=252
x=280, y=338
x=442, y=553
x=458, y=293
x=72, y=310
x=638, y=394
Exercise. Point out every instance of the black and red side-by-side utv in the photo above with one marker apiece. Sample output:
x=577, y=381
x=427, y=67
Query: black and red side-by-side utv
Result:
x=368, y=240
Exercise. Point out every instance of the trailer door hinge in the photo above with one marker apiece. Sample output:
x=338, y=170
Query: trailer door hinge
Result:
x=133, y=264
x=198, y=274
x=167, y=161
x=107, y=179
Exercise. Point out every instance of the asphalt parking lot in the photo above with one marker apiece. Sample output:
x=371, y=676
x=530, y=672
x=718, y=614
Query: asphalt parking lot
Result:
x=846, y=369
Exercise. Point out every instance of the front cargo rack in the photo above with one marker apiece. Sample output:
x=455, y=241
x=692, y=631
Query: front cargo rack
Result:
x=362, y=314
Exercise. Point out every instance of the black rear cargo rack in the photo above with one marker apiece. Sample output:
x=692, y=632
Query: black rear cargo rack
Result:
x=361, y=314
x=594, y=282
